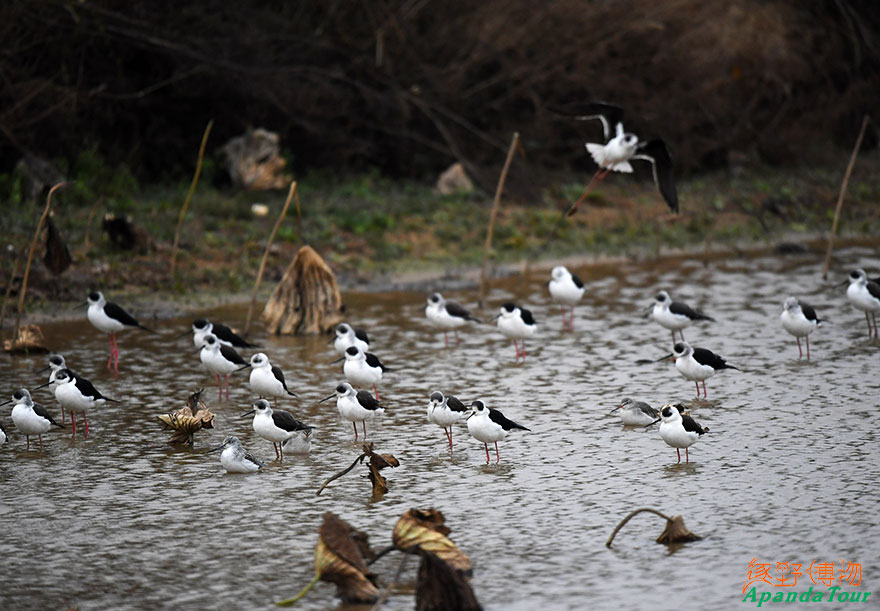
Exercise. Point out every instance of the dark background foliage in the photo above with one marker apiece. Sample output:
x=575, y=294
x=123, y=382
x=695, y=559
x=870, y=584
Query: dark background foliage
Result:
x=408, y=86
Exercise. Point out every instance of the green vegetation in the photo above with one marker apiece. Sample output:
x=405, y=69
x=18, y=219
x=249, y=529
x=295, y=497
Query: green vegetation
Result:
x=367, y=224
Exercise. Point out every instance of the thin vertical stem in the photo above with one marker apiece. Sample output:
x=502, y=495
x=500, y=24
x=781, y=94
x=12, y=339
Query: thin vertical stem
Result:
x=290, y=194
x=843, y=186
x=495, y=204
x=192, y=188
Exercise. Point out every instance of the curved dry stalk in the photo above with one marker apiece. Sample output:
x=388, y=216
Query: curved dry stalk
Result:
x=292, y=601
x=630, y=516
x=189, y=194
x=290, y=193
x=387, y=592
x=27, y=267
x=341, y=473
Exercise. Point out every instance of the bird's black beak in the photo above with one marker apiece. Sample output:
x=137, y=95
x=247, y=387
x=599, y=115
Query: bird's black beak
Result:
x=185, y=333
x=663, y=358
x=81, y=305
x=338, y=360
x=42, y=386
x=43, y=369
x=327, y=398
x=653, y=423
x=841, y=284
x=220, y=447
x=332, y=339
x=199, y=349
x=6, y=403
x=615, y=409
x=647, y=311
x=242, y=367
x=247, y=414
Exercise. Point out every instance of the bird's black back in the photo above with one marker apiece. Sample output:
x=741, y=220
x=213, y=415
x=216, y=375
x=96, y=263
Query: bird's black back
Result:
x=279, y=375
x=691, y=426
x=459, y=311
x=41, y=411
x=116, y=312
x=367, y=401
x=228, y=335
x=707, y=357
x=677, y=307
x=454, y=404
x=361, y=335
x=373, y=361
x=577, y=281
x=284, y=420
x=504, y=422
x=231, y=355
x=527, y=316
x=809, y=313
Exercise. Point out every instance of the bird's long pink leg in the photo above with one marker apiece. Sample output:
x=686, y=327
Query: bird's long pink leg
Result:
x=868, y=320
x=571, y=319
x=110, y=341
x=523, y=352
x=457, y=339
x=564, y=324
x=687, y=457
x=807, y=339
x=115, y=354
x=219, y=388
x=354, y=424
x=599, y=175
x=516, y=346
x=28, y=439
x=497, y=454
x=486, y=445
x=800, y=352
x=73, y=422
x=364, y=424
x=87, y=424
x=697, y=384
x=677, y=451
x=446, y=339
x=40, y=437
x=874, y=316
x=705, y=394
x=376, y=390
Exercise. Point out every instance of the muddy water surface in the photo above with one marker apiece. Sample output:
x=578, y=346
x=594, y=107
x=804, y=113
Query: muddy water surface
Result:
x=788, y=472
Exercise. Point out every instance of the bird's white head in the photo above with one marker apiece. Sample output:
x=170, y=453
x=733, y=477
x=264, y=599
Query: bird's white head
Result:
x=682, y=349
x=435, y=299
x=342, y=329
x=662, y=297
x=559, y=272
x=202, y=325
x=670, y=413
x=859, y=276
x=96, y=298
x=259, y=360
x=22, y=397
x=353, y=353
x=791, y=304
x=437, y=399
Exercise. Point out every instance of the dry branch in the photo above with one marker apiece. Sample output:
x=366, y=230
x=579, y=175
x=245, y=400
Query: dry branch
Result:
x=189, y=194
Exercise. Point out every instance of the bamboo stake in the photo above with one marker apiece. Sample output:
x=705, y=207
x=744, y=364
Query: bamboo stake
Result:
x=843, y=186
x=495, y=203
x=27, y=267
x=9, y=288
x=192, y=188
x=290, y=194
x=299, y=218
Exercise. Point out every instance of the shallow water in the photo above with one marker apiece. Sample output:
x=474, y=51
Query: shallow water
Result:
x=787, y=473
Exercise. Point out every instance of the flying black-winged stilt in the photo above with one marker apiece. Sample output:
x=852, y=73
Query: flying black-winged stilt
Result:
x=355, y=406
x=516, y=323
x=799, y=319
x=447, y=315
x=30, y=418
x=636, y=413
x=77, y=395
x=489, y=425
x=235, y=459
x=445, y=411
x=220, y=360
x=266, y=379
x=621, y=148
x=678, y=430
x=697, y=364
x=864, y=294
x=566, y=289
x=110, y=318
x=346, y=336
x=362, y=368
x=277, y=426
x=674, y=315
x=224, y=334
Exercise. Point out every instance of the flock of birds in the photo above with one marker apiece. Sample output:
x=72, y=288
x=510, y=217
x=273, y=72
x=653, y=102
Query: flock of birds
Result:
x=362, y=369
x=217, y=343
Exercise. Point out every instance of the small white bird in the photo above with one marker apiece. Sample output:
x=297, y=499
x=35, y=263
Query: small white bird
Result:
x=56, y=364
x=444, y=411
x=219, y=360
x=864, y=294
x=346, y=336
x=679, y=430
x=674, y=315
x=516, y=323
x=108, y=317
x=697, y=364
x=566, y=289
x=799, y=319
x=485, y=424
x=235, y=459
x=266, y=379
x=447, y=315
x=636, y=413
x=224, y=334
x=277, y=426
x=355, y=406
x=30, y=418
x=77, y=395
x=2, y=434
x=621, y=148
x=362, y=368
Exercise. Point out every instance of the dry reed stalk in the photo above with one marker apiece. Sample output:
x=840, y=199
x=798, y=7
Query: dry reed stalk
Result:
x=30, y=259
x=495, y=203
x=290, y=194
x=192, y=188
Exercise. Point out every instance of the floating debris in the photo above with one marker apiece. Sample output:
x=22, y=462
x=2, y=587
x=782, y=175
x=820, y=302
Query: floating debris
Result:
x=28, y=339
x=340, y=558
x=188, y=420
x=425, y=529
x=675, y=531
x=377, y=463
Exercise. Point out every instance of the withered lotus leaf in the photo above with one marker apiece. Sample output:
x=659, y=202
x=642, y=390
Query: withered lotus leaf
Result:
x=377, y=463
x=676, y=532
x=188, y=420
x=425, y=529
x=440, y=587
x=340, y=559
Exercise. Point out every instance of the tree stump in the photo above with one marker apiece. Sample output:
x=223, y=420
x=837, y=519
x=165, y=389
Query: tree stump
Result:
x=307, y=300
x=254, y=160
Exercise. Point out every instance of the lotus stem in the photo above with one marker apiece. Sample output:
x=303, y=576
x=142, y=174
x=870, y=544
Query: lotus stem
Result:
x=292, y=601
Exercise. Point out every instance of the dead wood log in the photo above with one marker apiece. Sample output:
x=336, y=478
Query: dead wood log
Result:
x=307, y=300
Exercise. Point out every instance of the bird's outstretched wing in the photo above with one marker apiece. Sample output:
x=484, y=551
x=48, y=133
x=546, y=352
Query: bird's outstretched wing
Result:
x=656, y=152
x=610, y=114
